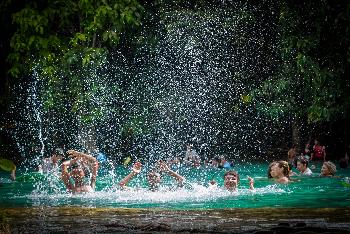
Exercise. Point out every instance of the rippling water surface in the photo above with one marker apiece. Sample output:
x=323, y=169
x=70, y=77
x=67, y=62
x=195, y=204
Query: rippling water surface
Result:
x=33, y=189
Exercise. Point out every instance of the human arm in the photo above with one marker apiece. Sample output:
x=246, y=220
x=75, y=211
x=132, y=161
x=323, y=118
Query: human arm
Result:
x=65, y=174
x=13, y=174
x=90, y=161
x=81, y=156
x=135, y=170
x=251, y=183
x=164, y=167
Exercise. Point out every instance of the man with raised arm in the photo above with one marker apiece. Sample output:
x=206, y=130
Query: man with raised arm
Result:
x=74, y=172
x=153, y=177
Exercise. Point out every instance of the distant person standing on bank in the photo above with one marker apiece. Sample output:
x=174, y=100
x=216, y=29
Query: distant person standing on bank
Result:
x=307, y=151
x=319, y=152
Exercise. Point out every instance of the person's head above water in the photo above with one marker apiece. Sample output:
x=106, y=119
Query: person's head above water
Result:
x=153, y=176
x=75, y=169
x=328, y=169
x=231, y=180
x=302, y=164
x=77, y=172
x=279, y=170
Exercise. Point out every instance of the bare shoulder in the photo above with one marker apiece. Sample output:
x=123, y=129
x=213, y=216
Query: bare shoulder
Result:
x=284, y=180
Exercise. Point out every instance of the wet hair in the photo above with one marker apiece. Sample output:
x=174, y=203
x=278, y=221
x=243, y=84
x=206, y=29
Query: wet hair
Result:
x=235, y=173
x=82, y=167
x=332, y=168
x=152, y=175
x=281, y=164
x=303, y=160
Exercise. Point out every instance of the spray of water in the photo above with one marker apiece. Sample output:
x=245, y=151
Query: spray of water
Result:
x=185, y=87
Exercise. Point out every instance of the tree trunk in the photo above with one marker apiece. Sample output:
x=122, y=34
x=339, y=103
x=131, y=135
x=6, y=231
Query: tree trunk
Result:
x=296, y=138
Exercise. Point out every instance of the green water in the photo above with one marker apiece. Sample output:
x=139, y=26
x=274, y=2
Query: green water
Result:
x=33, y=189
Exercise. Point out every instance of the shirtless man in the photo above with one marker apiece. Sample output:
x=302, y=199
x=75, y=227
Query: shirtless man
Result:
x=77, y=164
x=154, y=178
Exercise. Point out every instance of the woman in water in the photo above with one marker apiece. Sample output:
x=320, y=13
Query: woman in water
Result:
x=328, y=169
x=279, y=170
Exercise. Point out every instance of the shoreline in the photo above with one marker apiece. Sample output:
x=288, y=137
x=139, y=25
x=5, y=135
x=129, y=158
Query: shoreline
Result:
x=111, y=220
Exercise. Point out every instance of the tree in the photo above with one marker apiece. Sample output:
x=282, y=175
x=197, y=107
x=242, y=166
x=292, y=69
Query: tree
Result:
x=66, y=45
x=311, y=81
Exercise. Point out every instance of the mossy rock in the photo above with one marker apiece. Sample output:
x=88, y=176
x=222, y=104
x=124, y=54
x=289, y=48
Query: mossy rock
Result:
x=7, y=164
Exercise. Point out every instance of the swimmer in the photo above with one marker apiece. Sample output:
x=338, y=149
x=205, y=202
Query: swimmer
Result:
x=78, y=165
x=302, y=166
x=154, y=178
x=328, y=169
x=231, y=181
x=279, y=170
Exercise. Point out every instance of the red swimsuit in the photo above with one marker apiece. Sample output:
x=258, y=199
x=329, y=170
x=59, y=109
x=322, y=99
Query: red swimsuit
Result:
x=318, y=152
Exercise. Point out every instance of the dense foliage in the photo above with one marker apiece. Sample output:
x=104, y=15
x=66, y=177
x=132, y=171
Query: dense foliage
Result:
x=313, y=76
x=69, y=46
x=63, y=40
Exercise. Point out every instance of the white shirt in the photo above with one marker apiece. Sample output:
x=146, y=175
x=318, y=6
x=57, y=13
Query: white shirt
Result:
x=307, y=172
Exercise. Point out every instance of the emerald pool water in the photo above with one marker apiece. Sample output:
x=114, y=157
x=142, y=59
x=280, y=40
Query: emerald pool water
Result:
x=32, y=189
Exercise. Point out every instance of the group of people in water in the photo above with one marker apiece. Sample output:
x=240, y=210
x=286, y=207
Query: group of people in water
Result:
x=79, y=171
x=75, y=170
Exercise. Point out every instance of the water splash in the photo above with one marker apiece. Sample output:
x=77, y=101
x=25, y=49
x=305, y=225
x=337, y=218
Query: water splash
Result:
x=185, y=87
